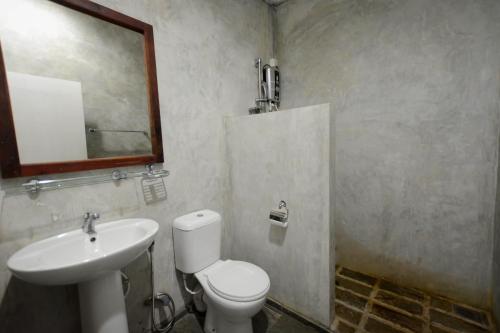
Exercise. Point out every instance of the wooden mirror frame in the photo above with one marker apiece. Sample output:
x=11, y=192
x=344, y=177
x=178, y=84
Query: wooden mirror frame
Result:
x=9, y=154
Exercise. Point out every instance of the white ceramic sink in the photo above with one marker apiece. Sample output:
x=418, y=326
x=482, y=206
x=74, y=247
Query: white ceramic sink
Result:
x=73, y=257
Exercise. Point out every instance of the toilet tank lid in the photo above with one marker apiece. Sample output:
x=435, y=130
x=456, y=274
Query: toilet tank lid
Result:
x=196, y=220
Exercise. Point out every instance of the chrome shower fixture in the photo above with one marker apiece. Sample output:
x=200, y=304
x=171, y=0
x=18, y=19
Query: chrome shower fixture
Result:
x=268, y=87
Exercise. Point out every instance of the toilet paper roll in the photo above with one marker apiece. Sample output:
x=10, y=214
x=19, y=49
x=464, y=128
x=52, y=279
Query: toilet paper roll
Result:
x=279, y=224
x=279, y=216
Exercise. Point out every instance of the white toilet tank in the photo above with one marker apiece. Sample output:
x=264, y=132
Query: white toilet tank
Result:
x=197, y=240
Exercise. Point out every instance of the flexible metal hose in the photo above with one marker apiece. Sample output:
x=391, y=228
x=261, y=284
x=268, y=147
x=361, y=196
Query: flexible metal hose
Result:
x=154, y=325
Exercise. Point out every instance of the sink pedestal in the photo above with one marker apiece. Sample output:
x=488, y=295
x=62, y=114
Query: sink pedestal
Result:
x=102, y=304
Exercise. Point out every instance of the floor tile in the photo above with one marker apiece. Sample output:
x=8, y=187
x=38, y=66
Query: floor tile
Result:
x=344, y=328
x=375, y=326
x=358, y=276
x=403, y=291
x=188, y=324
x=407, y=309
x=351, y=299
x=347, y=314
x=454, y=323
x=440, y=303
x=386, y=305
x=474, y=315
x=266, y=321
x=413, y=324
x=288, y=324
x=353, y=286
x=398, y=302
x=435, y=329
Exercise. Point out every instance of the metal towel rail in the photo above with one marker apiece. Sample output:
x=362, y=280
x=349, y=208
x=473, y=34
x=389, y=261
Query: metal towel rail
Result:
x=95, y=130
x=36, y=185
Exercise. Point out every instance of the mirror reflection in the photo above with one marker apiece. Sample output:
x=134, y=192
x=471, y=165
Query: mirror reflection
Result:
x=77, y=84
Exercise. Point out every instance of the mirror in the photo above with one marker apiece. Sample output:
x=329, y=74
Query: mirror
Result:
x=80, y=82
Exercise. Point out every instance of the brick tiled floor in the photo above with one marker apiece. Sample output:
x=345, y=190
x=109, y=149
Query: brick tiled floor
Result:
x=364, y=304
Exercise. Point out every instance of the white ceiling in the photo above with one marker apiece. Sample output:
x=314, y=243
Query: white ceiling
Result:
x=275, y=2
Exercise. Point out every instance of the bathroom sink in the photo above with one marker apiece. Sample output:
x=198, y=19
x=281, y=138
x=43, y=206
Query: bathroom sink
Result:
x=73, y=257
x=93, y=261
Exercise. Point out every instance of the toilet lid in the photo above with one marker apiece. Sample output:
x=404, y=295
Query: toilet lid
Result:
x=239, y=281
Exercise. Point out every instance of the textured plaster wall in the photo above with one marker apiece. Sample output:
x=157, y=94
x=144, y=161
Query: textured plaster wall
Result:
x=496, y=279
x=284, y=156
x=415, y=88
x=106, y=59
x=495, y=282
x=205, y=51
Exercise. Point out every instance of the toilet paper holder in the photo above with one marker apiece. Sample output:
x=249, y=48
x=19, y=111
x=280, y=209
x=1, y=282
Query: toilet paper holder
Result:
x=279, y=216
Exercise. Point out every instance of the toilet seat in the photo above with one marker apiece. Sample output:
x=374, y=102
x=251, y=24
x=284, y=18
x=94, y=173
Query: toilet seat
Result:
x=239, y=281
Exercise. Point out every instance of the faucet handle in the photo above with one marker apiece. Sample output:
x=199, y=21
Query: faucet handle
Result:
x=86, y=216
x=95, y=216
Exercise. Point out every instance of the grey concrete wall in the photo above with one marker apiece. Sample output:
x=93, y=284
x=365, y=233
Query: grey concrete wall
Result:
x=107, y=59
x=496, y=278
x=495, y=281
x=415, y=88
x=205, y=51
x=283, y=156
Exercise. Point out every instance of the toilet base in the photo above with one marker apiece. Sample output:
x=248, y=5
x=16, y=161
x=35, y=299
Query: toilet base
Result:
x=217, y=324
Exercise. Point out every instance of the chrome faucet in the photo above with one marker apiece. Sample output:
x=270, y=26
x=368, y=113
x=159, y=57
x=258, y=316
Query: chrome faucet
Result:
x=89, y=222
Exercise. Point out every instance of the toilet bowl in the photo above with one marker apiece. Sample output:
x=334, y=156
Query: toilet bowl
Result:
x=234, y=291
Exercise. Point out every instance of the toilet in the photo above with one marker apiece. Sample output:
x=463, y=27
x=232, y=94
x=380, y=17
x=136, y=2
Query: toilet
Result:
x=234, y=291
